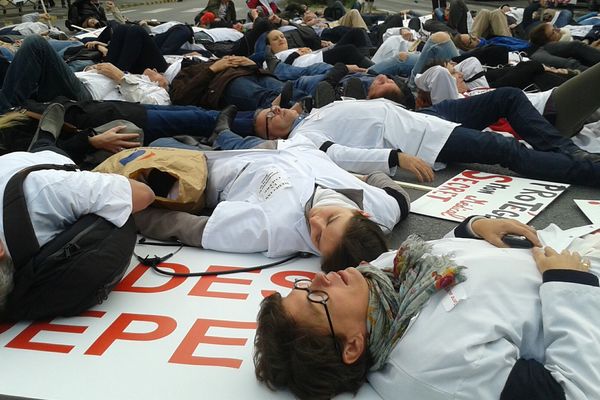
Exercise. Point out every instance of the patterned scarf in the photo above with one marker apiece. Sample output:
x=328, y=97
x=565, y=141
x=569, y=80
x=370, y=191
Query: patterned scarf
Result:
x=397, y=295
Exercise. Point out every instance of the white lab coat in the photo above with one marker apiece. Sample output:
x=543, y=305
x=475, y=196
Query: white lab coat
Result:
x=364, y=131
x=260, y=196
x=504, y=313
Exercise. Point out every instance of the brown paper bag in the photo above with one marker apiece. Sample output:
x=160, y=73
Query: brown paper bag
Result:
x=180, y=173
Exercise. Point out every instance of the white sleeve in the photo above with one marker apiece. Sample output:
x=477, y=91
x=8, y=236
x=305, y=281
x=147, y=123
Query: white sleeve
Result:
x=361, y=161
x=138, y=90
x=439, y=83
x=237, y=226
x=572, y=337
x=353, y=159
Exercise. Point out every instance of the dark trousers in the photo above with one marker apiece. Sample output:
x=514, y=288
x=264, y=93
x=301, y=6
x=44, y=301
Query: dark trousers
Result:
x=552, y=158
x=133, y=50
x=37, y=72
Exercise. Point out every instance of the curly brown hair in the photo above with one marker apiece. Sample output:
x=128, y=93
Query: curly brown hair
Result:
x=287, y=355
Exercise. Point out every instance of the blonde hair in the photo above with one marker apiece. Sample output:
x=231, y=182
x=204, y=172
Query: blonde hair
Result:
x=11, y=119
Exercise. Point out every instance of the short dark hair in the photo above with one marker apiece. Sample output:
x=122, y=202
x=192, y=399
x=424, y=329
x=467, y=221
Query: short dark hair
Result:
x=538, y=36
x=363, y=240
x=287, y=355
x=405, y=97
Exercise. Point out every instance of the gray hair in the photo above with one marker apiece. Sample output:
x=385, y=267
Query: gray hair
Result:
x=6, y=280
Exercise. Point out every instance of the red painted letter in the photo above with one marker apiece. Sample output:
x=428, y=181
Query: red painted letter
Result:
x=185, y=352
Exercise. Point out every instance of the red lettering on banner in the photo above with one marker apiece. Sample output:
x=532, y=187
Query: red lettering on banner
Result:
x=127, y=284
x=24, y=339
x=197, y=335
x=116, y=331
x=475, y=175
x=280, y=279
x=202, y=287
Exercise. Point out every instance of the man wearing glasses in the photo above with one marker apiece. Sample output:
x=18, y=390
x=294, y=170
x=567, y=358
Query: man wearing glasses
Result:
x=379, y=135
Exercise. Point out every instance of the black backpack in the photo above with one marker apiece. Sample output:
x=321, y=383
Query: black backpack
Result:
x=74, y=271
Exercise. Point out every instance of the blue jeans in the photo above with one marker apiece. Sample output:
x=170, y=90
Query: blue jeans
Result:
x=287, y=72
x=432, y=51
x=252, y=92
x=552, y=158
x=394, y=66
x=228, y=140
x=38, y=73
x=165, y=121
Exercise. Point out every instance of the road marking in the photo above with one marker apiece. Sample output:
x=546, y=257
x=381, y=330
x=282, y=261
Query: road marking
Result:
x=157, y=10
x=128, y=11
x=192, y=10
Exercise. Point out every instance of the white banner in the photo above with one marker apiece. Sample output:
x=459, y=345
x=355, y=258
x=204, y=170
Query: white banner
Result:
x=155, y=337
x=591, y=209
x=480, y=193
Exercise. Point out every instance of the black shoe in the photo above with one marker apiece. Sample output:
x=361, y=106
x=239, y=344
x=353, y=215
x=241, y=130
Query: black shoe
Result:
x=51, y=122
x=287, y=92
x=271, y=61
x=324, y=94
x=224, y=122
x=354, y=89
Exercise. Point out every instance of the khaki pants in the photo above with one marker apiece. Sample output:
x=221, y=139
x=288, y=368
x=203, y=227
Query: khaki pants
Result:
x=488, y=23
x=353, y=19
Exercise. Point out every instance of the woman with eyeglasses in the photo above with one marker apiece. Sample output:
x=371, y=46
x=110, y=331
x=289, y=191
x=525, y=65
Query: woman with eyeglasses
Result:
x=285, y=201
x=455, y=318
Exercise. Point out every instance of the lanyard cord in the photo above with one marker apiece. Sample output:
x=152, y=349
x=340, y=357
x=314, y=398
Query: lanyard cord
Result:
x=154, y=262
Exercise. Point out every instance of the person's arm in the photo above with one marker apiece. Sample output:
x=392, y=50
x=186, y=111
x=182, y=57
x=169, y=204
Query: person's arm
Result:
x=570, y=300
x=163, y=224
x=492, y=230
x=141, y=195
x=136, y=89
x=393, y=189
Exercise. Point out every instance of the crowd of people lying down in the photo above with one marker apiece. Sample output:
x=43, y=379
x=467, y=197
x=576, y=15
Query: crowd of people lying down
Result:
x=303, y=119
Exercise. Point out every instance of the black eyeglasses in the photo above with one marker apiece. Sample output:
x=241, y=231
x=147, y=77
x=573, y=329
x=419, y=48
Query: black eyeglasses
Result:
x=321, y=297
x=270, y=114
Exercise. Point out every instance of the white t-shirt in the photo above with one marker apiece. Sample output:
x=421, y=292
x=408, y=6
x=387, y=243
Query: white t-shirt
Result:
x=302, y=61
x=56, y=199
x=133, y=88
x=221, y=34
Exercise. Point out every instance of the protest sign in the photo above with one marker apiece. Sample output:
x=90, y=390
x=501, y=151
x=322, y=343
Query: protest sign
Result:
x=591, y=209
x=480, y=193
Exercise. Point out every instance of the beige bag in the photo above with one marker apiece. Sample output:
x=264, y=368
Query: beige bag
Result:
x=177, y=176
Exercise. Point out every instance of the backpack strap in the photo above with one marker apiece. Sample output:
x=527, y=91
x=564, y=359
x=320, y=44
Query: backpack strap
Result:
x=18, y=229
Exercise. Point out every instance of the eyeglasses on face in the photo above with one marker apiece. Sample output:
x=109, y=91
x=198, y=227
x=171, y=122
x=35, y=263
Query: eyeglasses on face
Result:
x=320, y=297
x=270, y=115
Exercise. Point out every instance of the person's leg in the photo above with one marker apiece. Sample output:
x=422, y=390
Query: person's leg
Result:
x=570, y=113
x=499, y=23
x=171, y=41
x=439, y=46
x=585, y=54
x=38, y=73
x=565, y=17
x=354, y=36
x=482, y=23
x=227, y=140
x=395, y=66
x=353, y=19
x=472, y=146
x=583, y=17
x=133, y=50
x=287, y=72
x=165, y=121
x=347, y=54
x=478, y=112
x=247, y=94
x=545, y=57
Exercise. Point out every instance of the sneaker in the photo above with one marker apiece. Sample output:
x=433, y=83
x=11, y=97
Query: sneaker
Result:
x=51, y=122
x=324, y=94
x=354, y=88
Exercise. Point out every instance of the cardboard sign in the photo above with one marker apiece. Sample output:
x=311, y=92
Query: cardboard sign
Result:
x=591, y=209
x=480, y=193
x=156, y=337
